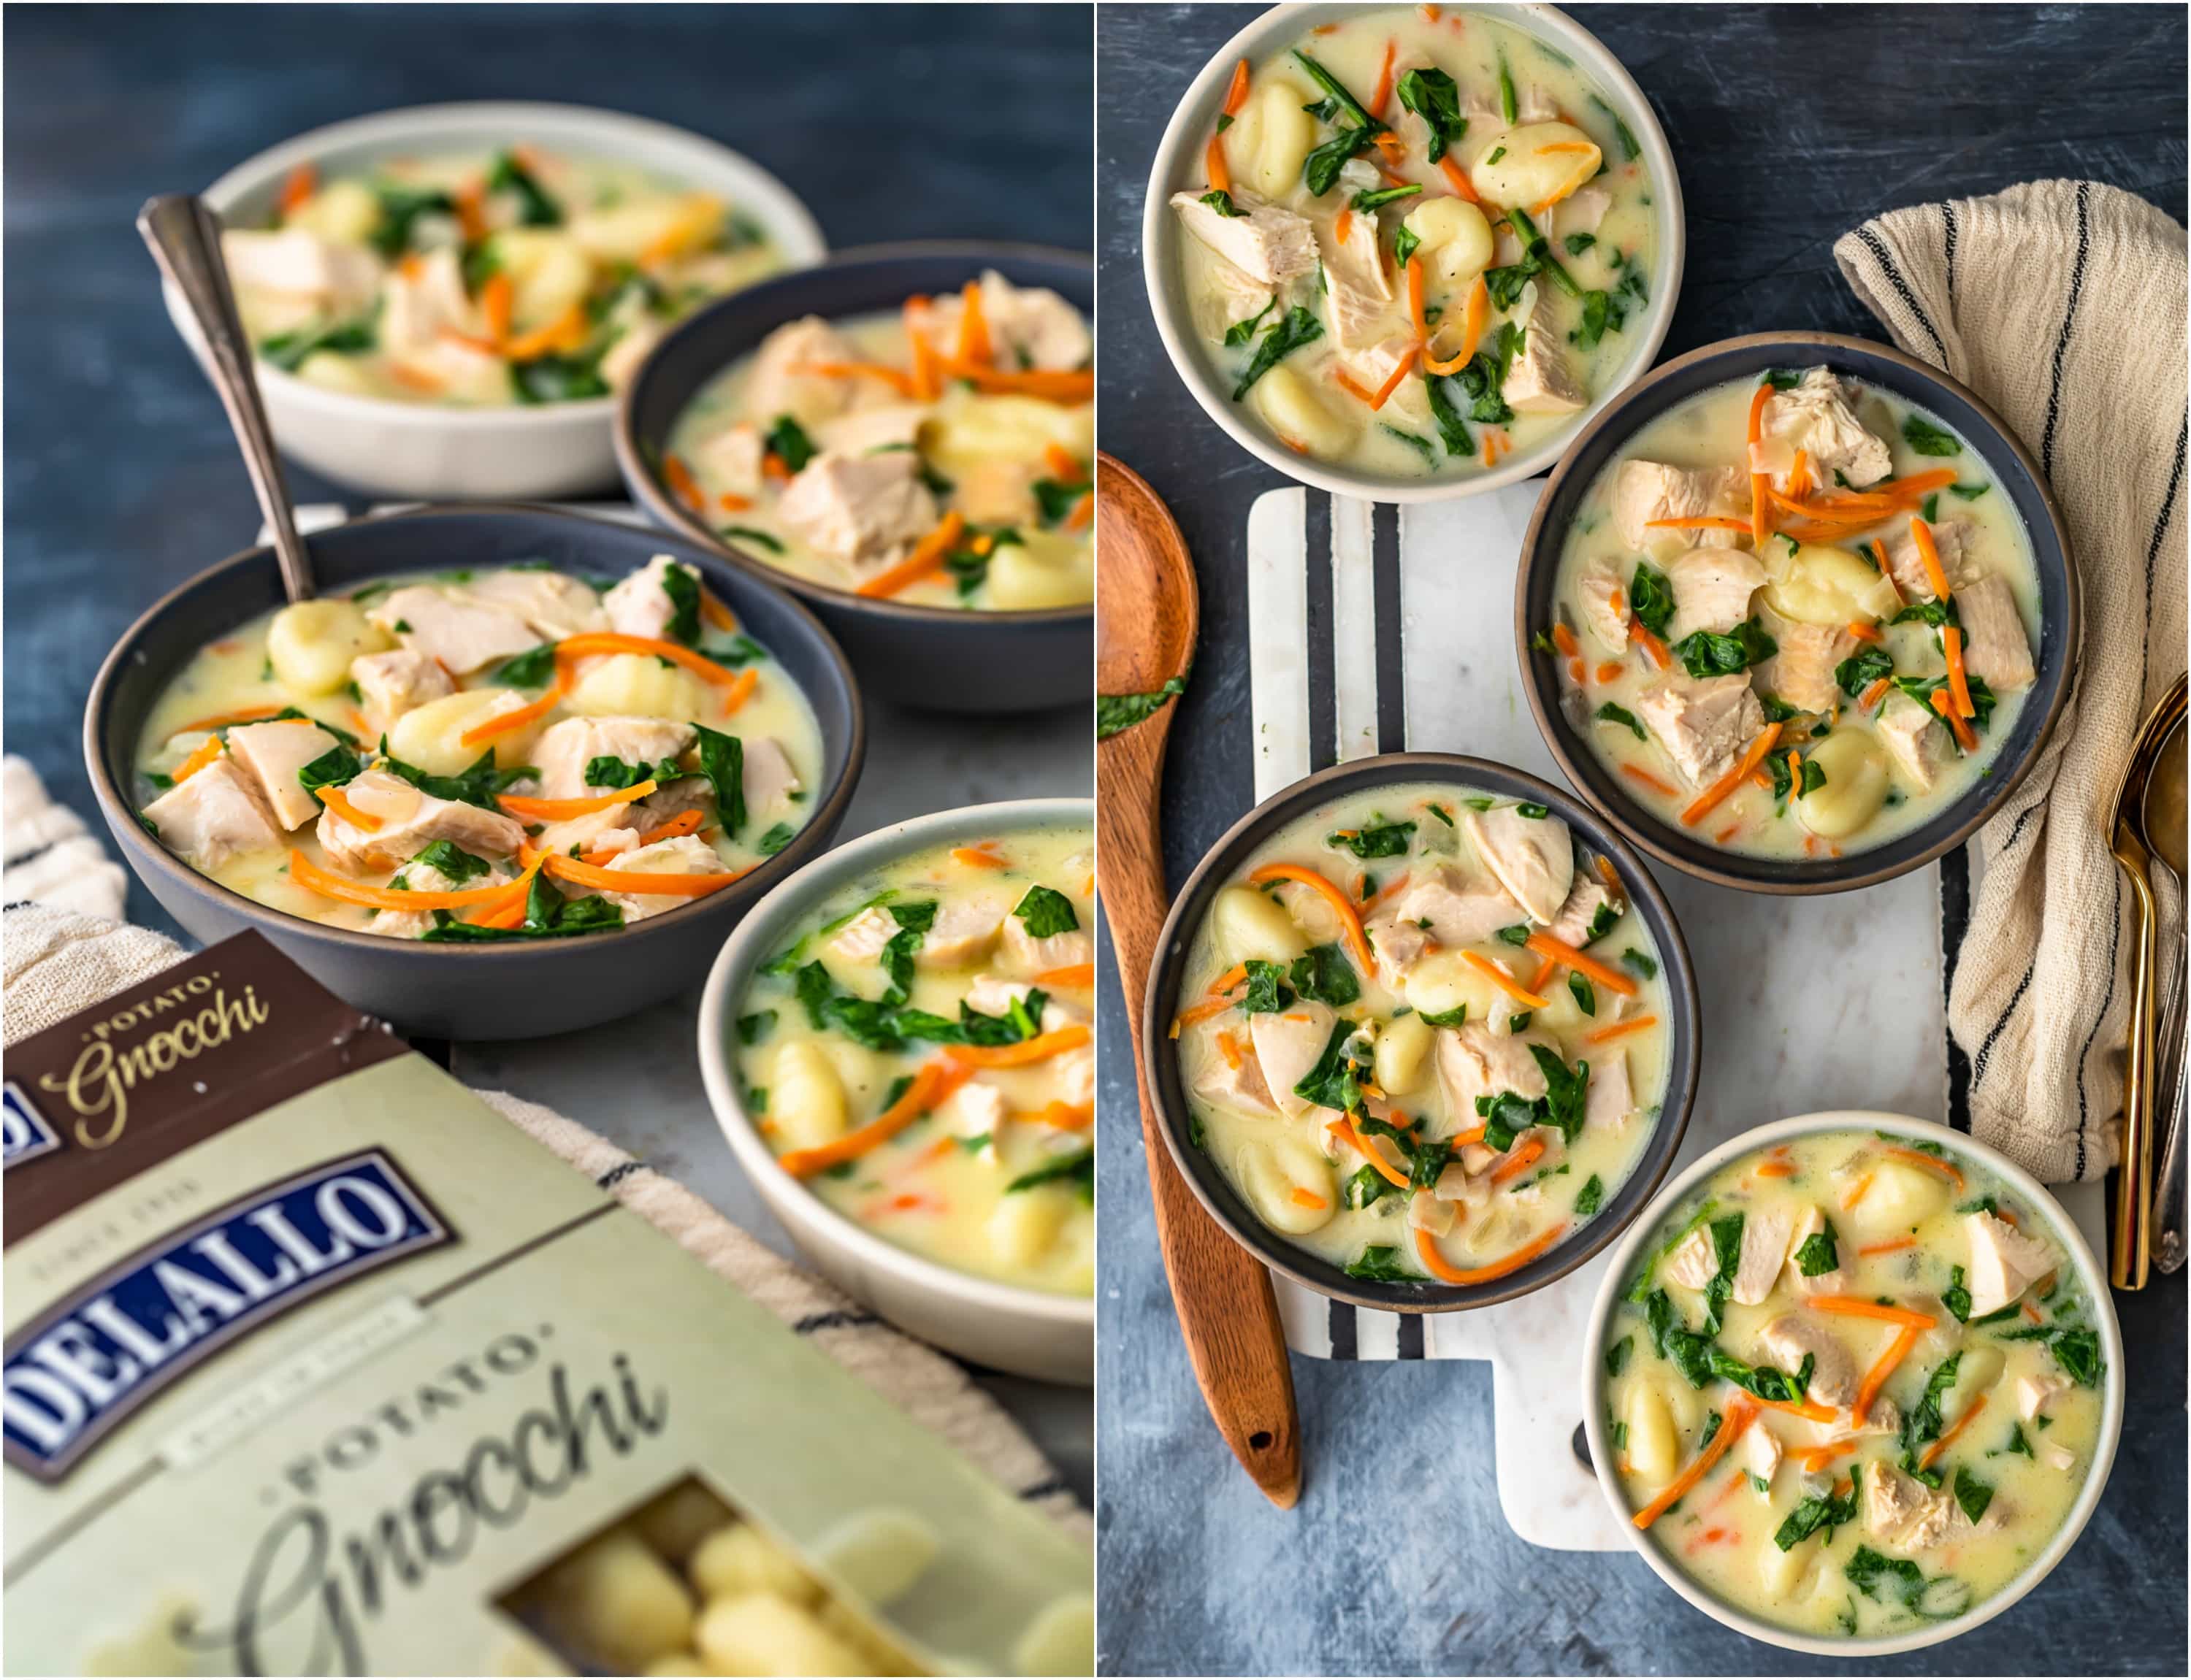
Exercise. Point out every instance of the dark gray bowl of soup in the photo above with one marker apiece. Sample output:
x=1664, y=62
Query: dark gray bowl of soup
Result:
x=521, y=988
x=1835, y=624
x=933, y=645
x=1298, y=1180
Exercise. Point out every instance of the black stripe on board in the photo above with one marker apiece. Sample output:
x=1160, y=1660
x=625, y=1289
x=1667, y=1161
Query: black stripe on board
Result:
x=1954, y=924
x=1342, y=1332
x=1391, y=653
x=1411, y=1335
x=2054, y=392
x=1322, y=666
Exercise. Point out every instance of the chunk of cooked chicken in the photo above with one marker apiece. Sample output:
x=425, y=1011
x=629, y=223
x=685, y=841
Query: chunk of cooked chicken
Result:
x=975, y=1114
x=563, y=753
x=423, y=877
x=1238, y=1086
x=1610, y=1098
x=732, y=457
x=460, y=635
x=553, y=604
x=964, y=930
x=422, y=299
x=1266, y=242
x=337, y=278
x=1913, y=737
x=1646, y=491
x=767, y=776
x=1764, y=1247
x=1994, y=646
x=1230, y=297
x=1288, y=1043
x=685, y=854
x=1757, y=1450
x=1357, y=292
x=212, y=816
x=271, y=754
x=2037, y=1390
x=390, y=685
x=1532, y=857
x=1693, y=1262
x=863, y=512
x=1703, y=725
x=1580, y=212
x=1785, y=1340
x=895, y=426
x=1810, y=1223
x=1818, y=417
x=1540, y=380
x=1801, y=673
x=1472, y=1061
x=410, y=820
x=1372, y=366
x=1712, y=586
x=1031, y=956
x=995, y=993
x=1579, y=913
x=2004, y=1262
x=1029, y=325
x=641, y=603
x=1951, y=538
x=783, y=382
x=1397, y=944
x=1602, y=596
x=1459, y=910
x=1427, y=1211
x=1904, y=1512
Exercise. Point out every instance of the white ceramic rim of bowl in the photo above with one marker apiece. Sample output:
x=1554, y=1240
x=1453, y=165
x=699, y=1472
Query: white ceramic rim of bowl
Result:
x=759, y=933
x=613, y=136
x=2090, y=1273
x=1182, y=141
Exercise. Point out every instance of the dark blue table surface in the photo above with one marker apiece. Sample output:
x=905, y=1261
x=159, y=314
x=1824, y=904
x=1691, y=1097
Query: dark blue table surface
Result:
x=1791, y=125
x=121, y=478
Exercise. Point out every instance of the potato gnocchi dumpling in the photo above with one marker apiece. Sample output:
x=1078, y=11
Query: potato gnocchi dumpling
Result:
x=481, y=755
x=524, y=275
x=1795, y=616
x=920, y=1055
x=1423, y=1034
x=1855, y=1385
x=940, y=455
x=1423, y=289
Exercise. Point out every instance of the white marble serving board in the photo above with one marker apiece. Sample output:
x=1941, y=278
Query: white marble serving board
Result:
x=1808, y=1003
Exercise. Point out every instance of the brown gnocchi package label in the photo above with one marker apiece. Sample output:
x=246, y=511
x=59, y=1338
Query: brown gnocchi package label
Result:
x=316, y=1365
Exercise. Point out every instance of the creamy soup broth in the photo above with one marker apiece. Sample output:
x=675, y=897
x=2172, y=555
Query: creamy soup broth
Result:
x=1339, y=1093
x=921, y=1055
x=1855, y=1387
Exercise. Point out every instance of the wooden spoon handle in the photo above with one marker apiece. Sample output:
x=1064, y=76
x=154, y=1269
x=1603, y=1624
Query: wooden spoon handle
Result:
x=1228, y=1313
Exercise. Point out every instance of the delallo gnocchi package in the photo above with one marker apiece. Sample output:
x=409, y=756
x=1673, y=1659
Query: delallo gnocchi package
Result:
x=316, y=1365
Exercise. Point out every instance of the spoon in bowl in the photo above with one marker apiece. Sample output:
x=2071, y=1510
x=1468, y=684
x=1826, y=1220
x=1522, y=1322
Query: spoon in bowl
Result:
x=1228, y=1313
x=184, y=237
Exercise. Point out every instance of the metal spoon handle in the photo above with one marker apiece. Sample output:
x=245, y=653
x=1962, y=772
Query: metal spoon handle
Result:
x=184, y=237
x=2169, y=1247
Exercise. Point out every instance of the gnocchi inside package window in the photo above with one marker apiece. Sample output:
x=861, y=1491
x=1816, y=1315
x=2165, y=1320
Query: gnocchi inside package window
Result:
x=316, y=1365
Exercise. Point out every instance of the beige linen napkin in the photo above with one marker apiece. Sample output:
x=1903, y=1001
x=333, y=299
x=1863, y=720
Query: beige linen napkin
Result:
x=2062, y=304
x=57, y=960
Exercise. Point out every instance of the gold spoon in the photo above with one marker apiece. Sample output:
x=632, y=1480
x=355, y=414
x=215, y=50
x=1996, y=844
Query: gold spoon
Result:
x=2165, y=817
x=1228, y=1314
x=2131, y=1252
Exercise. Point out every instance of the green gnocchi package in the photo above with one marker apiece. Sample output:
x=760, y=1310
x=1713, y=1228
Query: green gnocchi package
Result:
x=315, y=1365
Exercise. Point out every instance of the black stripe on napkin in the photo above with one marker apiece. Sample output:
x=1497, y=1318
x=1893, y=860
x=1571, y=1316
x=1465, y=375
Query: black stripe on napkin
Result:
x=2054, y=392
x=1323, y=674
x=1391, y=653
x=1886, y=262
x=835, y=1320
x=616, y=1175
x=1947, y=217
x=2153, y=549
x=2114, y=947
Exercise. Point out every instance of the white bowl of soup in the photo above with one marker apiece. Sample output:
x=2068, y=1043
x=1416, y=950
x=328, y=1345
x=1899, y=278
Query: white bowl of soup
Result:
x=899, y=1046
x=445, y=299
x=1426, y=1033
x=1405, y=252
x=1796, y=612
x=1854, y=1383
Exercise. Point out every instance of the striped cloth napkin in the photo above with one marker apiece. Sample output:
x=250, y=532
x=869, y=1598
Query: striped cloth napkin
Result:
x=2062, y=304
x=64, y=948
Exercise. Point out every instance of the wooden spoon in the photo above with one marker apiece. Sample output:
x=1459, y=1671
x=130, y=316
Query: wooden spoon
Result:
x=1146, y=625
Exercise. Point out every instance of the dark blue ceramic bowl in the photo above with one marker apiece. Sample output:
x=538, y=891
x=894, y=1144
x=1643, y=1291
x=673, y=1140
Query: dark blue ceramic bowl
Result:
x=2014, y=470
x=940, y=658
x=518, y=990
x=1169, y=1093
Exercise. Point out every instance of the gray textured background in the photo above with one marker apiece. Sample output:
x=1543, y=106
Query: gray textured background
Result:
x=1790, y=125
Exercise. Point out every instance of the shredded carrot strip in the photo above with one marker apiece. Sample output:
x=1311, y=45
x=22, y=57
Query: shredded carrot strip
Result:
x=1893, y=1245
x=1799, y=475
x=1776, y=1166
x=637, y=881
x=1445, y=1272
x=1928, y=553
x=1039, y=1048
x=1826, y=1452
x=608, y=641
x=1931, y=1163
x=1525, y=1156
x=1353, y=387
x=498, y=298
x=925, y=384
x=1455, y=179
x=1608, y=671
x=1621, y=1029
x=1384, y=391
x=516, y=718
x=339, y=802
x=1653, y=649
x=1875, y=1379
x=329, y=885
x=1760, y=506
x=221, y=720
x=1959, y=684
x=1856, y=1192
x=1071, y=385
x=1966, y=737
x=1863, y=632
x=1307, y=1198
x=1083, y=510
x=1878, y=559
x=895, y=378
x=774, y=468
x=1079, y=974
x=1063, y=465
x=1741, y=1413
x=1345, y=1127
x=934, y=1082
x=1350, y=922
x=1564, y=639
x=1636, y=773
x=1751, y=758
x=208, y=749
x=984, y=856
x=1856, y=1307
x=561, y=810
x=1221, y=179
x=1869, y=699
x=1343, y=225
x=1474, y=316
x=973, y=343
x=1700, y=522
x=926, y=559
x=1229, y=1048
x=1810, y=1409
x=682, y=484
x=300, y=184
x=509, y=914
x=712, y=610
x=732, y=502
x=1932, y=1453
x=1383, y=96
x=1506, y=982
x=684, y=822
x=1235, y=93
x=1559, y=950
x=567, y=331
